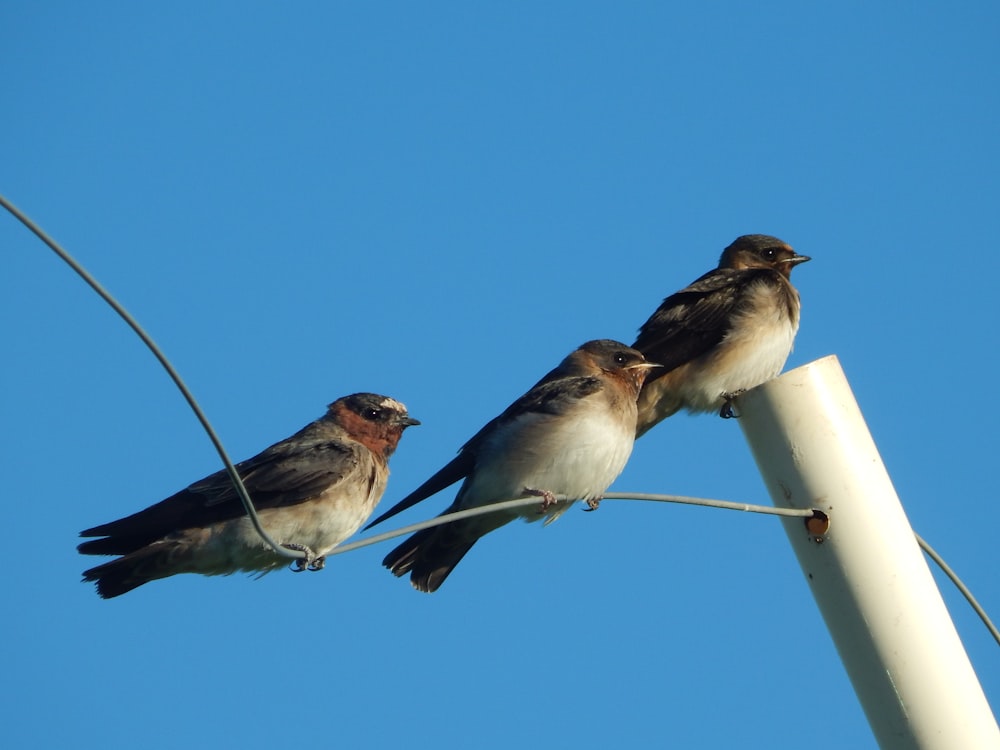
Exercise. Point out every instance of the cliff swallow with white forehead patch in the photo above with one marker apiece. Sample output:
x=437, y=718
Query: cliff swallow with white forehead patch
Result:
x=311, y=491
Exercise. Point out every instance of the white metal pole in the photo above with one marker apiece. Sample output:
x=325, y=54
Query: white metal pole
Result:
x=869, y=578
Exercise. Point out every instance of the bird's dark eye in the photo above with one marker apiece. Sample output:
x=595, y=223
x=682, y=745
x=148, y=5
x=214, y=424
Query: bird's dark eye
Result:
x=620, y=358
x=372, y=414
x=769, y=253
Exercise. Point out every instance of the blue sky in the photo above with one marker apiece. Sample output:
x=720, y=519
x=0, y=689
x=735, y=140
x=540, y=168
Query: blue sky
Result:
x=438, y=203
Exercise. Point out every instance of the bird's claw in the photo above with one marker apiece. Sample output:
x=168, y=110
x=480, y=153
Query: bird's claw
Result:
x=727, y=411
x=308, y=562
x=548, y=499
x=593, y=503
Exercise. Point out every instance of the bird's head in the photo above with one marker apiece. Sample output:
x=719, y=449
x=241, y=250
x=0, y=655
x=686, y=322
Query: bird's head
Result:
x=761, y=251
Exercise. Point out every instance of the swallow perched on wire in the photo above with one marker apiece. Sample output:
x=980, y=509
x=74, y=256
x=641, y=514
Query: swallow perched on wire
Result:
x=570, y=435
x=311, y=491
x=729, y=331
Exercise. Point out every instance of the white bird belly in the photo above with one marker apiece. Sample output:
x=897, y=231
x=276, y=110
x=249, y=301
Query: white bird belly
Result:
x=748, y=356
x=576, y=457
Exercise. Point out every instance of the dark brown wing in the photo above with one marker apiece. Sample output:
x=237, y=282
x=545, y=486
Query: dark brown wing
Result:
x=290, y=472
x=692, y=321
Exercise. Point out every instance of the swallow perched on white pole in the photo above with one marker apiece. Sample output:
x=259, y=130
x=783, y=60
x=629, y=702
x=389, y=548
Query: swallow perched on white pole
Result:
x=311, y=491
x=729, y=331
x=570, y=435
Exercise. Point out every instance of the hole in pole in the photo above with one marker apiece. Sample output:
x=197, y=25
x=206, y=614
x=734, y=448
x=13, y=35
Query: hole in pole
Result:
x=817, y=525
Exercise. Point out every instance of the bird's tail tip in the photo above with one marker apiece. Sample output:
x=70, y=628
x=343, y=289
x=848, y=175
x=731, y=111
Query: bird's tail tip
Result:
x=428, y=558
x=130, y=571
x=114, y=579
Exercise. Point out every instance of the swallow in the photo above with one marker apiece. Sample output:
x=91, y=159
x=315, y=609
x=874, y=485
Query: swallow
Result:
x=729, y=331
x=570, y=435
x=311, y=491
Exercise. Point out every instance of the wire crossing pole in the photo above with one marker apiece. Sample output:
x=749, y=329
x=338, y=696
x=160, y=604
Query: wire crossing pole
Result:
x=873, y=587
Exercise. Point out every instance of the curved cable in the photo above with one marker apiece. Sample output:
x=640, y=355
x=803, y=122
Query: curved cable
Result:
x=161, y=357
x=724, y=504
x=976, y=606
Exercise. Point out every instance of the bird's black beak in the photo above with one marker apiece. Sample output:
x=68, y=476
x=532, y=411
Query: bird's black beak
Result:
x=408, y=421
x=796, y=259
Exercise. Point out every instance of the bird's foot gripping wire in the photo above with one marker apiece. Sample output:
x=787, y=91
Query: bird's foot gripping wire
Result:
x=548, y=499
x=727, y=411
x=309, y=562
x=593, y=503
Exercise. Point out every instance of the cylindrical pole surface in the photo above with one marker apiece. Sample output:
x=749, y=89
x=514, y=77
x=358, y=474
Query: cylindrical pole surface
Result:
x=869, y=578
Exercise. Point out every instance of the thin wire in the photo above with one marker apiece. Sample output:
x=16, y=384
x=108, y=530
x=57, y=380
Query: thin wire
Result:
x=977, y=608
x=726, y=504
x=533, y=500
x=148, y=341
